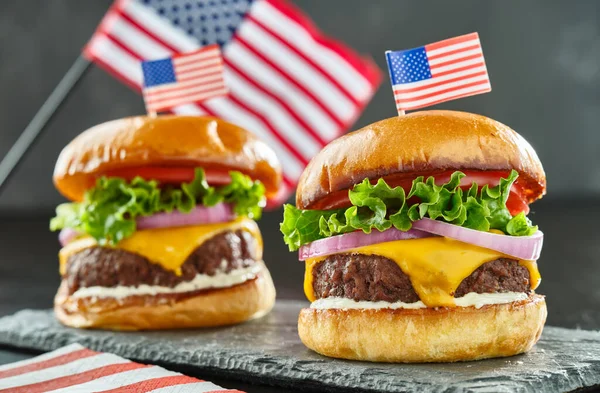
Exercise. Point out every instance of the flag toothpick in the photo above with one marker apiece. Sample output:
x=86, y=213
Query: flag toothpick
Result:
x=438, y=72
x=182, y=79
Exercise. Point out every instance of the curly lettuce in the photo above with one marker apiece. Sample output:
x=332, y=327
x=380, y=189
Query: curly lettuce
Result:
x=109, y=210
x=379, y=206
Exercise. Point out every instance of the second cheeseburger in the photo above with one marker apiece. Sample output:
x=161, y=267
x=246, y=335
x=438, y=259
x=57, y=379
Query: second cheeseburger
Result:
x=416, y=241
x=161, y=231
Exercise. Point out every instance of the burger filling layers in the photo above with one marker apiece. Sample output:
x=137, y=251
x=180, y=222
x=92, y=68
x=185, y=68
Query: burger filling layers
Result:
x=226, y=259
x=141, y=237
x=435, y=245
x=428, y=272
x=354, y=280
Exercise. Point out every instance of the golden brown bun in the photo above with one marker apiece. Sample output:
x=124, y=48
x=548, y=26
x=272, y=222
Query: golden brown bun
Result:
x=217, y=307
x=421, y=142
x=424, y=335
x=163, y=141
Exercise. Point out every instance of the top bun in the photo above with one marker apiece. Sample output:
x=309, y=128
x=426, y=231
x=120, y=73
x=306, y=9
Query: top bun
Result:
x=419, y=143
x=163, y=141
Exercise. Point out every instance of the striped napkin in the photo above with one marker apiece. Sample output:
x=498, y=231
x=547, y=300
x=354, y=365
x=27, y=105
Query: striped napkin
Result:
x=76, y=369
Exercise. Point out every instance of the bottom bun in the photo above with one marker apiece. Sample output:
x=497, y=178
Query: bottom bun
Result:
x=214, y=307
x=424, y=335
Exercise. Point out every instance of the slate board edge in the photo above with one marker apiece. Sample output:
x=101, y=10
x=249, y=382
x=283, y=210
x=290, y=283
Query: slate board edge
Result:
x=202, y=362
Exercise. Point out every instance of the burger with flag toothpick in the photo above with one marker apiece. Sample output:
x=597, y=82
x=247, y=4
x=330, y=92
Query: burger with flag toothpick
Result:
x=414, y=229
x=161, y=230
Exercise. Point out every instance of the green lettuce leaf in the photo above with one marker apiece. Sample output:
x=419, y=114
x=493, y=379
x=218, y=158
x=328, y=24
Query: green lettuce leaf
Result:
x=379, y=206
x=520, y=225
x=109, y=210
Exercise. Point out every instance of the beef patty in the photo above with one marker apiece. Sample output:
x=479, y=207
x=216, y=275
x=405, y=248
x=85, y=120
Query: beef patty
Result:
x=500, y=275
x=111, y=267
x=375, y=278
x=362, y=277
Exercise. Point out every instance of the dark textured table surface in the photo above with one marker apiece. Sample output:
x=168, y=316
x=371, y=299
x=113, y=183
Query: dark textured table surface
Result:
x=569, y=266
x=269, y=350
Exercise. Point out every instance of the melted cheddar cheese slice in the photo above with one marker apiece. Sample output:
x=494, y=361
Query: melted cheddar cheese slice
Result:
x=436, y=266
x=168, y=247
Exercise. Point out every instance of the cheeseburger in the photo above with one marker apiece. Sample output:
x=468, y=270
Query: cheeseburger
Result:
x=161, y=231
x=416, y=241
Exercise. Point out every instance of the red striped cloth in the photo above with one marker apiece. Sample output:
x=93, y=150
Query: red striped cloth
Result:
x=291, y=85
x=74, y=369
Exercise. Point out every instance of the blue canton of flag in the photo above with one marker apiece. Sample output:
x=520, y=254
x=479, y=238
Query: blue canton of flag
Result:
x=438, y=72
x=209, y=21
x=408, y=66
x=158, y=72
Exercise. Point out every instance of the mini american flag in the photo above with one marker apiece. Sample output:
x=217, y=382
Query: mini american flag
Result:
x=291, y=85
x=183, y=78
x=75, y=369
x=438, y=72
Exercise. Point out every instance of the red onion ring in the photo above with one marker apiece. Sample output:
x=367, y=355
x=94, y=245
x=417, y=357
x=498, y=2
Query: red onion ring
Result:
x=522, y=247
x=347, y=241
x=66, y=235
x=199, y=215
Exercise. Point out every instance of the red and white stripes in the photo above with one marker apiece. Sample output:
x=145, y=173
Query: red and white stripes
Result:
x=74, y=369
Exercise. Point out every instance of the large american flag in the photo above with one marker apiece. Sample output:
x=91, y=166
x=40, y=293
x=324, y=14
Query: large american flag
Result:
x=438, y=72
x=294, y=87
x=183, y=78
x=75, y=369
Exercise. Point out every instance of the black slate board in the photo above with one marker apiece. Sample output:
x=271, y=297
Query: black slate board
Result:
x=268, y=351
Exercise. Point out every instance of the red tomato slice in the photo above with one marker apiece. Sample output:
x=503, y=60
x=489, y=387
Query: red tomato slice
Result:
x=170, y=175
x=515, y=203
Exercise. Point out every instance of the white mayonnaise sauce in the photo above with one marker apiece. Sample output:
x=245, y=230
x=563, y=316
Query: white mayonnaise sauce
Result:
x=201, y=281
x=476, y=300
x=479, y=300
x=343, y=303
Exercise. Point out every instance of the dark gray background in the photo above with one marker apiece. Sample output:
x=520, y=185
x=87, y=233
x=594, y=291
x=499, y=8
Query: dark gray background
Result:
x=544, y=62
x=543, y=59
